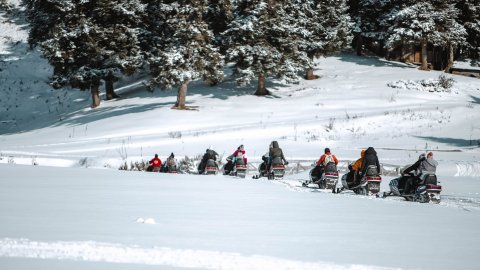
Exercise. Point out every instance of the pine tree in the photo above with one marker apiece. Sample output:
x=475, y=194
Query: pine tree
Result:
x=181, y=46
x=87, y=41
x=371, y=19
x=263, y=42
x=427, y=22
x=450, y=33
x=5, y=5
x=470, y=19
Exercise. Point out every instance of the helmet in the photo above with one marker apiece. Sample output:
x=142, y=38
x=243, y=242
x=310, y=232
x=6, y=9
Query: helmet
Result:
x=421, y=156
x=327, y=150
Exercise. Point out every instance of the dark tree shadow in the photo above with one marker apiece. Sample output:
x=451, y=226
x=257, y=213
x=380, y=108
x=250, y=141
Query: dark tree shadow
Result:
x=453, y=141
x=475, y=100
x=372, y=61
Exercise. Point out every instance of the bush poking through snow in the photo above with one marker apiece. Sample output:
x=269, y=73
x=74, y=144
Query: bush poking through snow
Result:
x=442, y=84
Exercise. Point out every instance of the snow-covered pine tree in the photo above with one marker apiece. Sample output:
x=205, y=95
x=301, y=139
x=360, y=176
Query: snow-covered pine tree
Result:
x=87, y=41
x=181, y=46
x=470, y=19
x=5, y=5
x=218, y=16
x=450, y=33
x=322, y=27
x=336, y=31
x=371, y=20
x=413, y=24
x=263, y=40
x=429, y=21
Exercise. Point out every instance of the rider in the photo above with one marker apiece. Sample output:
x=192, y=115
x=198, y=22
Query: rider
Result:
x=370, y=159
x=275, y=154
x=240, y=154
x=355, y=167
x=323, y=161
x=209, y=154
x=155, y=164
x=170, y=163
x=424, y=164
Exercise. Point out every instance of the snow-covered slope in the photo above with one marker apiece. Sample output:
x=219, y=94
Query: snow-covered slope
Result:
x=204, y=222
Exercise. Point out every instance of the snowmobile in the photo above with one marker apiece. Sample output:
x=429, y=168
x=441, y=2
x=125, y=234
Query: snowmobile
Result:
x=170, y=168
x=425, y=189
x=278, y=169
x=211, y=167
x=238, y=169
x=369, y=184
x=327, y=180
x=262, y=169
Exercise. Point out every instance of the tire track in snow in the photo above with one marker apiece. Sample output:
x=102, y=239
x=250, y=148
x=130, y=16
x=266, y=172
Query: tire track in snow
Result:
x=187, y=258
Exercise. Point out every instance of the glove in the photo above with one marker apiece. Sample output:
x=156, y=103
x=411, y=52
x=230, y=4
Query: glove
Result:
x=286, y=162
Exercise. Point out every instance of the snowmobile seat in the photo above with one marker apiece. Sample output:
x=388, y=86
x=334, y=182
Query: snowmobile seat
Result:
x=371, y=170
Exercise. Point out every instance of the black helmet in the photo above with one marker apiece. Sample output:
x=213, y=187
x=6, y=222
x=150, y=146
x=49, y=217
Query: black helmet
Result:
x=156, y=155
x=327, y=150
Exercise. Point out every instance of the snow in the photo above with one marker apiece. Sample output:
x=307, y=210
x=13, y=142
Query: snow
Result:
x=74, y=209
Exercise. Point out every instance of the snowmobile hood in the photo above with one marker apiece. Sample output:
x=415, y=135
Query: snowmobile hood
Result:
x=275, y=144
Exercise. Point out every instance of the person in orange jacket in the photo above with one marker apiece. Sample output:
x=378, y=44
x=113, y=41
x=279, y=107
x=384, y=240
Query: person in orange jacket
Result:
x=355, y=167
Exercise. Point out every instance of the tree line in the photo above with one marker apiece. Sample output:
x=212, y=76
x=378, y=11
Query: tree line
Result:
x=177, y=42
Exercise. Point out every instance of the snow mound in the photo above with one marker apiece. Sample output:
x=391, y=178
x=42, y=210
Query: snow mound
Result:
x=146, y=221
x=442, y=84
x=115, y=253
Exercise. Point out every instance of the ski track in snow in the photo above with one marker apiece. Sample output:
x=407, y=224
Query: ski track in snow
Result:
x=185, y=258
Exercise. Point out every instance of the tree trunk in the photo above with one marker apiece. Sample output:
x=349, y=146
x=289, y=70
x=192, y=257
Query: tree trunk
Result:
x=181, y=96
x=94, y=89
x=424, y=65
x=109, y=86
x=450, y=58
x=310, y=75
x=359, y=44
x=261, y=90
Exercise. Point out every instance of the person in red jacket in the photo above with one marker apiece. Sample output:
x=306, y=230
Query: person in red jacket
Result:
x=323, y=161
x=155, y=164
x=240, y=154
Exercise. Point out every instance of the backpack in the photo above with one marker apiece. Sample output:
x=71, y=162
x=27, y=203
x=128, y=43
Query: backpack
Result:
x=328, y=159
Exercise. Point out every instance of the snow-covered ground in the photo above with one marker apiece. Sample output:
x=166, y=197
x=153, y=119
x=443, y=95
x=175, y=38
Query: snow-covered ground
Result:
x=103, y=218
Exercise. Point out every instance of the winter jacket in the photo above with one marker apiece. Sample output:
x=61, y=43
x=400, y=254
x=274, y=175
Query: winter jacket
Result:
x=370, y=159
x=210, y=154
x=358, y=164
x=276, y=152
x=324, y=159
x=422, y=165
x=156, y=162
x=240, y=154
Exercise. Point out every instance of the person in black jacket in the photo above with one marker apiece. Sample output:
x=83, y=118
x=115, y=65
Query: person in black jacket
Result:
x=369, y=160
x=425, y=163
x=275, y=154
x=209, y=154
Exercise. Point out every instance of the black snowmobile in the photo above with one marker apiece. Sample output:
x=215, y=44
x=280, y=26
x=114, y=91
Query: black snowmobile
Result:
x=369, y=184
x=327, y=180
x=277, y=170
x=425, y=188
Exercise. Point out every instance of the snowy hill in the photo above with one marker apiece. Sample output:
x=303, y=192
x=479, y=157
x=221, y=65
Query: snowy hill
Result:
x=103, y=218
